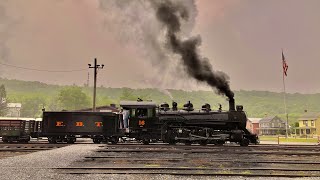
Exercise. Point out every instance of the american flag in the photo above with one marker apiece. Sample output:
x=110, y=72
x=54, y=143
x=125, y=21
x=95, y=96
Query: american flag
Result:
x=284, y=65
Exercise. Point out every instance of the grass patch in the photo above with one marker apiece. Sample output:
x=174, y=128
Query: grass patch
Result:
x=225, y=172
x=289, y=139
x=246, y=172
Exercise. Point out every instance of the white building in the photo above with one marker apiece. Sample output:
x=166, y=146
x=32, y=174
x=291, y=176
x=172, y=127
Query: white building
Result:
x=13, y=109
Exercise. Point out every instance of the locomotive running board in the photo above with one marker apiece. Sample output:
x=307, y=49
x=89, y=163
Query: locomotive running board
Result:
x=195, y=137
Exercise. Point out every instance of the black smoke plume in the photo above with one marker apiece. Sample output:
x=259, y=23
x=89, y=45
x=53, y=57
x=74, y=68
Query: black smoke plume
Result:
x=170, y=15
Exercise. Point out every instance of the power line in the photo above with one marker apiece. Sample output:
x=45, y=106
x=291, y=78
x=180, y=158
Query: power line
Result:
x=42, y=70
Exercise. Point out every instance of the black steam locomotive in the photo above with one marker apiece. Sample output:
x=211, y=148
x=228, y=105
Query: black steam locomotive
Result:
x=147, y=122
x=150, y=123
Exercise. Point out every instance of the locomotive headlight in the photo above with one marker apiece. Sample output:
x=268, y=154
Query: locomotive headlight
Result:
x=180, y=130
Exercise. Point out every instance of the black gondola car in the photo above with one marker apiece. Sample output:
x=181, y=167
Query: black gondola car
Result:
x=65, y=126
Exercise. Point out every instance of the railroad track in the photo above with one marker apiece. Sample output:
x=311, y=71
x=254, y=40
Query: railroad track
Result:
x=45, y=141
x=28, y=147
x=209, y=151
x=129, y=159
x=195, y=160
x=228, y=146
x=195, y=171
x=9, y=150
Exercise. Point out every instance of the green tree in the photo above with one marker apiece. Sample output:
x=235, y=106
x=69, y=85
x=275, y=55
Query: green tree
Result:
x=52, y=104
x=3, y=100
x=103, y=101
x=128, y=94
x=73, y=98
x=32, y=106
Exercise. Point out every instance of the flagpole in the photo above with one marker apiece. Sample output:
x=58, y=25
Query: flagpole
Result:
x=284, y=96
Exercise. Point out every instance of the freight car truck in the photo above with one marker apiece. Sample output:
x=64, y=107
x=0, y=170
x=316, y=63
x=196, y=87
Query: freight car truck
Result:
x=65, y=126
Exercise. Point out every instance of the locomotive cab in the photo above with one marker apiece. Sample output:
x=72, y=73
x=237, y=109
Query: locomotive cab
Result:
x=141, y=120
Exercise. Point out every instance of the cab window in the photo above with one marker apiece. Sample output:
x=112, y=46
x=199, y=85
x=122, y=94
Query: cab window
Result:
x=133, y=113
x=150, y=112
x=142, y=112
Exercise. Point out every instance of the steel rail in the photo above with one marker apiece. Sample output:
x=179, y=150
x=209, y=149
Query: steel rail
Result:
x=25, y=149
x=208, y=151
x=209, y=160
x=313, y=147
x=187, y=168
x=201, y=174
x=199, y=171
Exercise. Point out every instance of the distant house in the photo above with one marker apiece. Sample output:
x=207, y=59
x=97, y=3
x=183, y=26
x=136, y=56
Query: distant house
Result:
x=249, y=125
x=13, y=109
x=309, y=124
x=253, y=125
x=272, y=126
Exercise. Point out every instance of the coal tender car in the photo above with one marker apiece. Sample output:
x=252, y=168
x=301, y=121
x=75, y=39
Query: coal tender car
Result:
x=148, y=123
x=66, y=126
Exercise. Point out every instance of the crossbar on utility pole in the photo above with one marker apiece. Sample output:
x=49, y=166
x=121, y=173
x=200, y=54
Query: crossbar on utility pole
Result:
x=96, y=67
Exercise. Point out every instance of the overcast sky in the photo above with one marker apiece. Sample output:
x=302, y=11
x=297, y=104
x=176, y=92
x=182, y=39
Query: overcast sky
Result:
x=243, y=38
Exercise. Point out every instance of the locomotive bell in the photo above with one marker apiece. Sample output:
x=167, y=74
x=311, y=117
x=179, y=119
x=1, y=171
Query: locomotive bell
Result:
x=188, y=106
x=239, y=108
x=206, y=107
x=164, y=106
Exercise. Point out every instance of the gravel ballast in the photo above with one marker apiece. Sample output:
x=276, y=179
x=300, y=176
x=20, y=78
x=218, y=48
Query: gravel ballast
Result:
x=39, y=165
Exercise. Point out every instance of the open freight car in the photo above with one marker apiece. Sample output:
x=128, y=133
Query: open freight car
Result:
x=16, y=129
x=66, y=126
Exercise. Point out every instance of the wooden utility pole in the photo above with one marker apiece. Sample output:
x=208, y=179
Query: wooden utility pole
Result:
x=95, y=67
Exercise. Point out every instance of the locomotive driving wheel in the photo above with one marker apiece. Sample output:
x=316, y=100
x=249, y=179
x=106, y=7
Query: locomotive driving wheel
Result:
x=170, y=138
x=219, y=142
x=244, y=142
x=188, y=143
x=146, y=139
x=114, y=140
x=203, y=142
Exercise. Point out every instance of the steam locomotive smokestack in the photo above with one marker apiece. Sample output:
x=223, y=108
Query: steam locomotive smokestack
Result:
x=170, y=15
x=231, y=104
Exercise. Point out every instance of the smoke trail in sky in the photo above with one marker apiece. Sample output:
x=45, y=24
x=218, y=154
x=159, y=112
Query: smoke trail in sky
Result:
x=171, y=14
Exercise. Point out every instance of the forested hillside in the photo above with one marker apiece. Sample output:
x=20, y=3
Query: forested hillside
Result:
x=36, y=95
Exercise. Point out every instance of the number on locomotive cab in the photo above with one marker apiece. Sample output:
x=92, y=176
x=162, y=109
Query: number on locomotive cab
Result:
x=142, y=122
